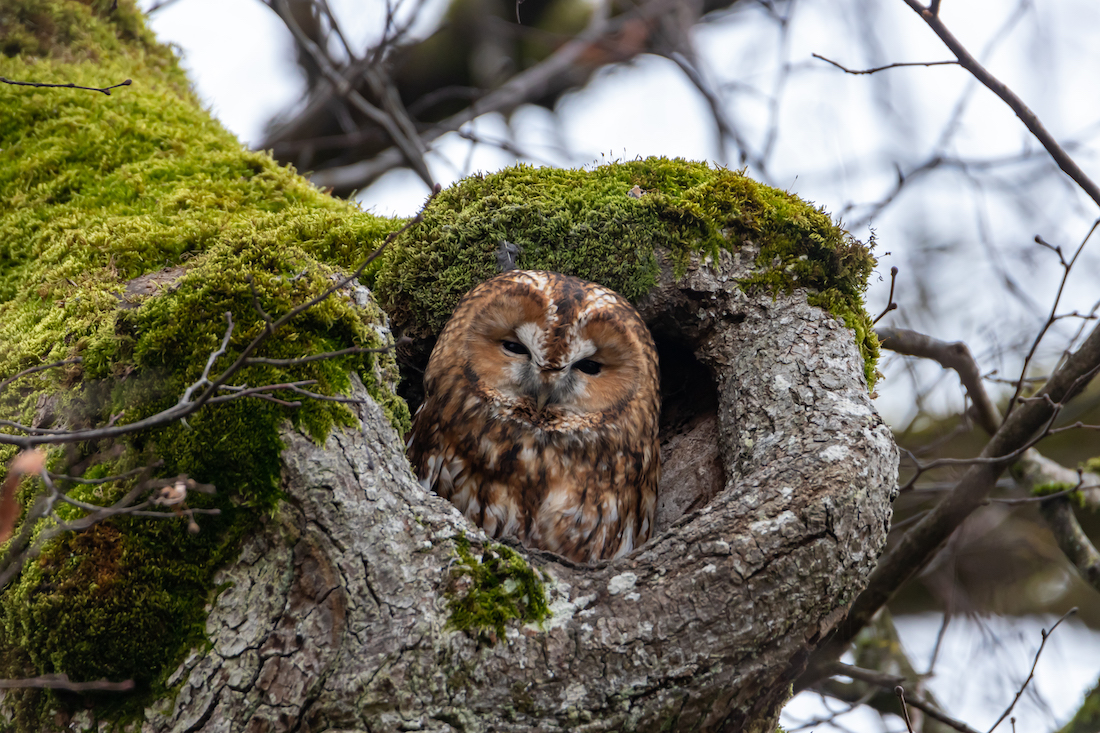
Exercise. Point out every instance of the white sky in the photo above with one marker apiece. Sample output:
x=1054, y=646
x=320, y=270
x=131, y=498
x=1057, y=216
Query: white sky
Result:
x=837, y=148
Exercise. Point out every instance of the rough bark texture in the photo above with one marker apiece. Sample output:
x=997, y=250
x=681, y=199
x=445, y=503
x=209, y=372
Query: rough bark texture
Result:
x=336, y=616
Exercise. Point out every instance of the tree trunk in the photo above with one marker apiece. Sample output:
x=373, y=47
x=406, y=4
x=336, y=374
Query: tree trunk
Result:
x=356, y=600
x=337, y=613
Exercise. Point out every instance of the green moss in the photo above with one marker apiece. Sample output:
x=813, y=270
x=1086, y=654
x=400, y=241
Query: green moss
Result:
x=584, y=223
x=96, y=190
x=492, y=589
x=1092, y=465
x=1057, y=487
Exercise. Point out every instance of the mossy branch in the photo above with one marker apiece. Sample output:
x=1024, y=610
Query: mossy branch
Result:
x=205, y=387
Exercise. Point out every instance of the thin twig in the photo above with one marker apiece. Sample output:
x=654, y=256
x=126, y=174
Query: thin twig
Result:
x=532, y=83
x=104, y=90
x=877, y=69
x=718, y=107
x=890, y=304
x=398, y=126
x=1040, y=499
x=318, y=357
x=159, y=6
x=1030, y=120
x=900, y=692
x=1046, y=635
x=1067, y=267
x=106, y=479
x=43, y=367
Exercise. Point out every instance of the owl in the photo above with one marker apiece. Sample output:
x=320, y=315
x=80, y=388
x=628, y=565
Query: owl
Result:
x=539, y=422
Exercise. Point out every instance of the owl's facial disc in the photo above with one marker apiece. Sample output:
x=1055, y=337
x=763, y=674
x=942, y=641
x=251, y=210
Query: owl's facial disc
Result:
x=545, y=380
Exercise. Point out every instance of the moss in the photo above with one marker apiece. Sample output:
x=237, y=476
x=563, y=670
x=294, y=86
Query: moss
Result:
x=95, y=191
x=492, y=589
x=1057, y=487
x=1092, y=465
x=584, y=223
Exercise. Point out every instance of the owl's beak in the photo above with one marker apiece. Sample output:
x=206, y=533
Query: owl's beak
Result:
x=548, y=382
x=543, y=396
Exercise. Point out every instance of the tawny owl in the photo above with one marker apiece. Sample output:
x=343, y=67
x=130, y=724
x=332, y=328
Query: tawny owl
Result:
x=540, y=415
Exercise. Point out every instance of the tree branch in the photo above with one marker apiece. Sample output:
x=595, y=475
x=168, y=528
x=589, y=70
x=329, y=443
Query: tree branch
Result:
x=1030, y=120
x=954, y=356
x=917, y=546
x=104, y=90
x=877, y=69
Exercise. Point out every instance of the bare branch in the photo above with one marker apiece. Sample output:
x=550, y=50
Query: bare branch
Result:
x=1039, y=499
x=1067, y=267
x=917, y=546
x=890, y=304
x=34, y=370
x=1071, y=538
x=1046, y=635
x=105, y=479
x=891, y=682
x=533, y=83
x=900, y=692
x=104, y=90
x=995, y=85
x=954, y=356
x=394, y=120
x=877, y=69
x=726, y=128
x=870, y=676
x=159, y=6
x=1057, y=510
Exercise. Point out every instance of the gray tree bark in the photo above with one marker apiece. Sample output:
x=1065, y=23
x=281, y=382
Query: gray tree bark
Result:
x=335, y=617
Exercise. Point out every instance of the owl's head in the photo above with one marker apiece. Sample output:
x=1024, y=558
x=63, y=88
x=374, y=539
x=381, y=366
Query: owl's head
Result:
x=549, y=345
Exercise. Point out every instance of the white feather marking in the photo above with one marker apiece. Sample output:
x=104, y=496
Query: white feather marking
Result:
x=534, y=338
x=610, y=510
x=627, y=545
x=462, y=497
x=492, y=517
x=431, y=475
x=579, y=348
x=511, y=527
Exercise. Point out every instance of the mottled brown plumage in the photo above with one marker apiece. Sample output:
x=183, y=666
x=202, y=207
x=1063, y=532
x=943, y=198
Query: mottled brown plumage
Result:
x=540, y=415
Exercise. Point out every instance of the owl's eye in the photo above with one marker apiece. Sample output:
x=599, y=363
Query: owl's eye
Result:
x=515, y=347
x=588, y=366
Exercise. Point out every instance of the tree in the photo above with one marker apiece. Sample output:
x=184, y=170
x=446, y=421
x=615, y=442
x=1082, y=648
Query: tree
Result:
x=370, y=603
